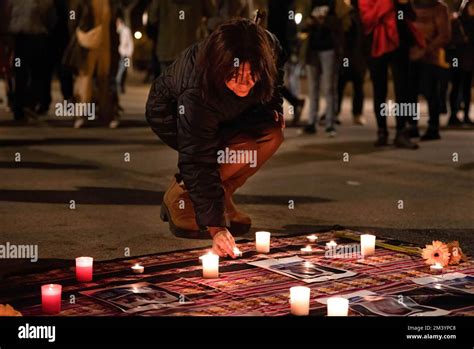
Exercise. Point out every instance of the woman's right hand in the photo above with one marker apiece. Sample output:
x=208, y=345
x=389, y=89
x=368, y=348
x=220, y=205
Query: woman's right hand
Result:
x=223, y=243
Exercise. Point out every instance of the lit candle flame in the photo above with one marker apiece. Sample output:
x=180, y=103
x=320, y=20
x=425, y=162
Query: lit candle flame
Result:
x=209, y=253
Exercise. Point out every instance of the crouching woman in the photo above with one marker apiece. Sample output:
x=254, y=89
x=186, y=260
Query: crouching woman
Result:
x=220, y=95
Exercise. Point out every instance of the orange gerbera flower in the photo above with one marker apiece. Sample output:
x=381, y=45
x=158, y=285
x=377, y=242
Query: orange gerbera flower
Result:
x=436, y=253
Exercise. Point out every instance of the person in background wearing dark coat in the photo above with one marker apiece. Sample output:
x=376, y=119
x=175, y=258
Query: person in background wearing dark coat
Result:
x=61, y=37
x=453, y=51
x=461, y=74
x=284, y=27
x=179, y=23
x=58, y=42
x=31, y=25
x=220, y=95
x=390, y=36
x=429, y=63
x=354, y=68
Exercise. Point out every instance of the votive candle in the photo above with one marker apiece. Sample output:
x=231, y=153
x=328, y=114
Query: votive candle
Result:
x=84, y=269
x=51, y=298
x=262, y=241
x=337, y=306
x=367, y=244
x=299, y=300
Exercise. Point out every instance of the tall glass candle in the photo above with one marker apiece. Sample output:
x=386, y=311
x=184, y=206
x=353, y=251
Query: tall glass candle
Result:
x=210, y=266
x=84, y=269
x=299, y=300
x=367, y=244
x=262, y=241
x=337, y=306
x=51, y=298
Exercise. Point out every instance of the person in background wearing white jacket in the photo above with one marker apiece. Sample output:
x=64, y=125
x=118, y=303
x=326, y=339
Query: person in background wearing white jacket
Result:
x=126, y=51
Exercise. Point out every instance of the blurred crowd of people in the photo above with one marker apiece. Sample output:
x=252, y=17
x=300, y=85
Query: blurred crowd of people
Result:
x=85, y=43
x=427, y=45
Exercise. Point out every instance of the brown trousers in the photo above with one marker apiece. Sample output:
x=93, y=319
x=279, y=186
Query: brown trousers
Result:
x=265, y=142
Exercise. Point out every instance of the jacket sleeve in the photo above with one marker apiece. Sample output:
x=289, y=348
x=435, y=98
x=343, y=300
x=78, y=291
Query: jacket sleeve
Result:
x=198, y=144
x=160, y=110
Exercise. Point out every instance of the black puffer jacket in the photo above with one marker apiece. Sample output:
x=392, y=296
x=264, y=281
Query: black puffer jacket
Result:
x=178, y=114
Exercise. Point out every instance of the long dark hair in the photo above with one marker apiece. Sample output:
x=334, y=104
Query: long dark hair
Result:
x=238, y=40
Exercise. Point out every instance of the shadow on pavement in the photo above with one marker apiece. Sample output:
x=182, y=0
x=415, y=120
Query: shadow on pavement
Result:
x=84, y=141
x=324, y=151
x=69, y=123
x=44, y=166
x=125, y=196
x=469, y=166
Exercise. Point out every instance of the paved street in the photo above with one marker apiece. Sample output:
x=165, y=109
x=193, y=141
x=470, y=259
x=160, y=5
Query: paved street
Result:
x=117, y=202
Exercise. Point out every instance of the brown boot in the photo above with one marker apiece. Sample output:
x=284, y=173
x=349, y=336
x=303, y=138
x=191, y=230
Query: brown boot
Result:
x=239, y=222
x=177, y=209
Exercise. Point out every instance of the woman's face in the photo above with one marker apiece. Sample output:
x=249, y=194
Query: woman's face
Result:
x=243, y=82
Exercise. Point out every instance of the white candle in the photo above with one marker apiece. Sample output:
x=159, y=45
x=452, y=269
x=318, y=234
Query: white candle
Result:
x=312, y=238
x=210, y=266
x=299, y=300
x=367, y=244
x=436, y=268
x=138, y=269
x=307, y=250
x=337, y=306
x=331, y=244
x=262, y=241
x=84, y=269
